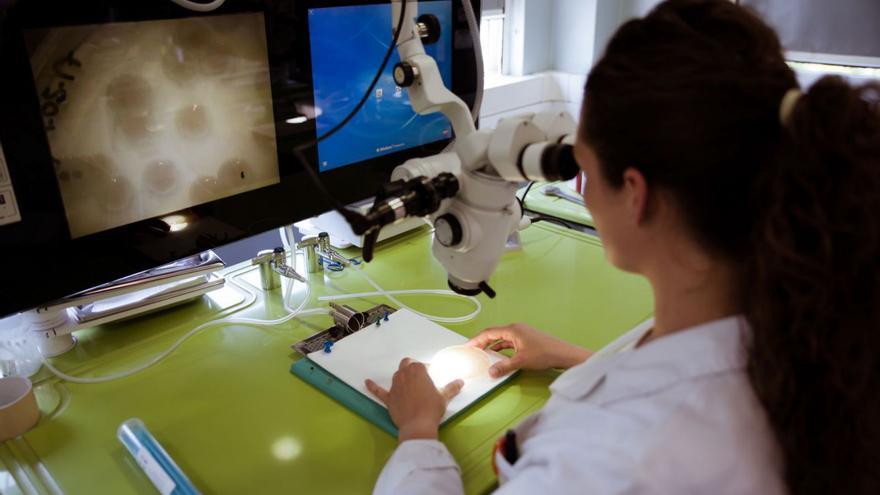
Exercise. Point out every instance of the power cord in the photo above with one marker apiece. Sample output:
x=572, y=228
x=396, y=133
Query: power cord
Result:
x=351, y=216
x=558, y=221
x=522, y=201
x=299, y=150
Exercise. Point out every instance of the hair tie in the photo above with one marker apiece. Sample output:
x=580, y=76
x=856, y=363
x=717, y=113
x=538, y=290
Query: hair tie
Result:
x=788, y=103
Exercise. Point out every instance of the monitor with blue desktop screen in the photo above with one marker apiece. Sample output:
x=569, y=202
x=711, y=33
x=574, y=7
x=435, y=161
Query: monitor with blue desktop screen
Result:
x=387, y=122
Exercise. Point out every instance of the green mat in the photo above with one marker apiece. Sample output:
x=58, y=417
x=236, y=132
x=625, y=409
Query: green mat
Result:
x=556, y=207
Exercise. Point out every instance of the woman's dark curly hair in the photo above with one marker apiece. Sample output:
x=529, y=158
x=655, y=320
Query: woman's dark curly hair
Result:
x=690, y=96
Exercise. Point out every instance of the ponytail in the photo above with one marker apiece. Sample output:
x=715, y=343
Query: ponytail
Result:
x=814, y=294
x=691, y=97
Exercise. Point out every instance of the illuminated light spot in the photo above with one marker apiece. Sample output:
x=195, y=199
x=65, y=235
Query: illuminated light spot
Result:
x=302, y=119
x=458, y=362
x=176, y=223
x=286, y=448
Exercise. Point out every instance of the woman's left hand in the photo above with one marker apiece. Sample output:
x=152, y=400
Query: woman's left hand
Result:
x=414, y=402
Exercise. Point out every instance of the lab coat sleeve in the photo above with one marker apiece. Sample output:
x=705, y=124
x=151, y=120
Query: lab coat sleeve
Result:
x=420, y=467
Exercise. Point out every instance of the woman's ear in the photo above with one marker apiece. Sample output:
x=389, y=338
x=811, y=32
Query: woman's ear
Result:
x=636, y=192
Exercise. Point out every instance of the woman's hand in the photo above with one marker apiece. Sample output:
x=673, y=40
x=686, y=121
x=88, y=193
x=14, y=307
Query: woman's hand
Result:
x=415, y=404
x=535, y=350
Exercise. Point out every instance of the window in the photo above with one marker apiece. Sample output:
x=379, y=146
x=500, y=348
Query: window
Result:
x=843, y=32
x=809, y=73
x=492, y=35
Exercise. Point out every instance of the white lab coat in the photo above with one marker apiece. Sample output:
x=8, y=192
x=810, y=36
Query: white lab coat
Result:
x=674, y=416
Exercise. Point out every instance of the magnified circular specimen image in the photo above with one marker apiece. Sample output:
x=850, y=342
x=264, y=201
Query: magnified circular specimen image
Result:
x=192, y=49
x=130, y=100
x=193, y=121
x=161, y=177
x=204, y=189
x=458, y=362
x=235, y=173
x=116, y=194
x=129, y=94
x=217, y=61
x=178, y=65
x=135, y=128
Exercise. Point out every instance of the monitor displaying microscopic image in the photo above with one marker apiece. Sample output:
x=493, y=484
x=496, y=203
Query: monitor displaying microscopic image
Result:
x=150, y=117
x=136, y=133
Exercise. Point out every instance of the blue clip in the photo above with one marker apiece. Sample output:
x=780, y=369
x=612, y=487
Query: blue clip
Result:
x=386, y=316
x=327, y=345
x=330, y=264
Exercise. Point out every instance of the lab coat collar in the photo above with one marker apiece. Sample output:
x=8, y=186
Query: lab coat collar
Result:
x=706, y=349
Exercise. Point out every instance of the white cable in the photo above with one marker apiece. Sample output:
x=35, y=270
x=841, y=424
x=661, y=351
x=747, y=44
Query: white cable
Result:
x=282, y=232
x=291, y=240
x=390, y=295
x=251, y=297
x=288, y=290
x=198, y=6
x=284, y=319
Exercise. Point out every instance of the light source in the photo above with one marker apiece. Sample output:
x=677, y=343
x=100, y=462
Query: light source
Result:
x=458, y=362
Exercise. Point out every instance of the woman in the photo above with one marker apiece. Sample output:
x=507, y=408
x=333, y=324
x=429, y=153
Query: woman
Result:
x=754, y=212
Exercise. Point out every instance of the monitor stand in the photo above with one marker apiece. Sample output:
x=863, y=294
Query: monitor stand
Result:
x=135, y=295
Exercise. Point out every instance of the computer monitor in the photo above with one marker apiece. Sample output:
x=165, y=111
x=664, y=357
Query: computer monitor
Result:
x=386, y=123
x=135, y=132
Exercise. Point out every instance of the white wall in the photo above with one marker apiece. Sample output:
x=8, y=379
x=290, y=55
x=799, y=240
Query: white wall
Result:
x=564, y=35
x=544, y=91
x=563, y=38
x=574, y=35
x=529, y=25
x=538, y=50
x=610, y=15
x=550, y=35
x=638, y=8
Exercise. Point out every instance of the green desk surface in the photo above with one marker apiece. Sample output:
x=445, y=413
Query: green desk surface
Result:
x=556, y=206
x=226, y=408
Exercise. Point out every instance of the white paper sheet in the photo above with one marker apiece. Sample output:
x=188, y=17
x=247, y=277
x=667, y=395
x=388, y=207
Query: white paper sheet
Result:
x=376, y=351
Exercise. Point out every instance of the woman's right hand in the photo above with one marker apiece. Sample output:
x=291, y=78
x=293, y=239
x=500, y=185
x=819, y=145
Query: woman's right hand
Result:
x=534, y=349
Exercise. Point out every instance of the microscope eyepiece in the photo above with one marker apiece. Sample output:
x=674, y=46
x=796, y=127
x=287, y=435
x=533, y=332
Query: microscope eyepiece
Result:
x=548, y=162
x=558, y=163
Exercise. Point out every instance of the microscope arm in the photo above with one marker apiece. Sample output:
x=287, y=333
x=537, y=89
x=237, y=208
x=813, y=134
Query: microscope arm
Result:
x=468, y=194
x=419, y=73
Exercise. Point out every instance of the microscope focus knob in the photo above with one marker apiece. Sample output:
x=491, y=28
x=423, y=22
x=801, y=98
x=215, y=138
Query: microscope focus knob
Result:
x=448, y=230
x=429, y=28
x=405, y=74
